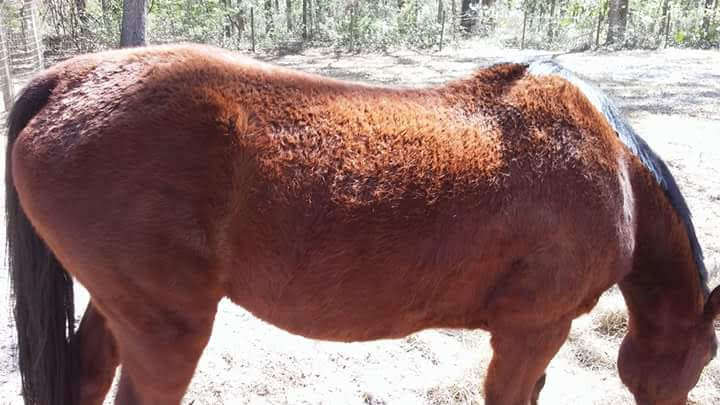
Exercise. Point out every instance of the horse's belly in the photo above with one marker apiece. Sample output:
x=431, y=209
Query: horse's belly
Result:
x=388, y=276
x=350, y=305
x=332, y=325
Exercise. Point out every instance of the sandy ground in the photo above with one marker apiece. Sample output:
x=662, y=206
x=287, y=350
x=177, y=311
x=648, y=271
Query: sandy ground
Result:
x=673, y=99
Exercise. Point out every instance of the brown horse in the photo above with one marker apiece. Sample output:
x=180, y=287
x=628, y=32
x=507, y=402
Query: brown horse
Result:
x=164, y=179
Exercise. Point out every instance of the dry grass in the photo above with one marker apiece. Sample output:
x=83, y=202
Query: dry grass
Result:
x=610, y=319
x=673, y=99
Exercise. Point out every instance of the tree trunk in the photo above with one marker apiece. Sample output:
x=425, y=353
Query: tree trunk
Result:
x=252, y=27
x=318, y=15
x=133, y=23
x=304, y=19
x=601, y=14
x=311, y=18
x=81, y=7
x=715, y=7
x=453, y=20
x=617, y=21
x=665, y=9
x=707, y=17
x=105, y=15
x=468, y=15
x=551, y=22
x=269, y=22
x=288, y=14
x=227, y=21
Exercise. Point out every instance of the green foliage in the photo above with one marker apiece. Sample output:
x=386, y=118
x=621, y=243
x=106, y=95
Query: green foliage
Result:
x=189, y=20
x=411, y=25
x=369, y=25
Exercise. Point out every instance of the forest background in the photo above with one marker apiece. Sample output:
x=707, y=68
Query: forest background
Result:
x=287, y=26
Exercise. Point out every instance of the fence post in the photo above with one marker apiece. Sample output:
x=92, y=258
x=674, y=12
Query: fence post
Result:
x=599, y=26
x=525, y=15
x=667, y=26
x=31, y=16
x=252, y=27
x=442, y=27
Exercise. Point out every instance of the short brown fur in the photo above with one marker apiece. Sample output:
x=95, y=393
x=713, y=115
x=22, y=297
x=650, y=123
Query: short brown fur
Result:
x=166, y=178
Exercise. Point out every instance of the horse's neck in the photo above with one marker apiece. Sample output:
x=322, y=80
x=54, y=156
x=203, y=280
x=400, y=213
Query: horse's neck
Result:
x=659, y=303
x=664, y=290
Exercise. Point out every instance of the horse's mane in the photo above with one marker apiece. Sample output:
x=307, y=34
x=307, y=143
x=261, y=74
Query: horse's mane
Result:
x=636, y=144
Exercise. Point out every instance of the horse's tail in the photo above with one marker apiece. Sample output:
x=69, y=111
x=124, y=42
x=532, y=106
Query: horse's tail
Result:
x=637, y=146
x=41, y=288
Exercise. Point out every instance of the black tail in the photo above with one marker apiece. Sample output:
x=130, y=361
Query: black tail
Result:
x=42, y=290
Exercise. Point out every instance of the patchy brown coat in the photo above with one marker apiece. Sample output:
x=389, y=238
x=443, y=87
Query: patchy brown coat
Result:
x=166, y=178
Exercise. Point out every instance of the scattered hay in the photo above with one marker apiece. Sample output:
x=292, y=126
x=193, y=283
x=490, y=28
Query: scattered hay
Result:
x=457, y=394
x=611, y=323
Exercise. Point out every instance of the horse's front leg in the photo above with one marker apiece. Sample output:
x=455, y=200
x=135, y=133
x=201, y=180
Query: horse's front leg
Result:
x=536, y=390
x=520, y=355
x=97, y=358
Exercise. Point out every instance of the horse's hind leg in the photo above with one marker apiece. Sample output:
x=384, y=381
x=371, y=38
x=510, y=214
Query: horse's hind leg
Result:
x=159, y=354
x=98, y=357
x=517, y=370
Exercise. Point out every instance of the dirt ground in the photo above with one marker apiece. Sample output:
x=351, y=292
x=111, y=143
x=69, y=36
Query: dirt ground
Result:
x=672, y=97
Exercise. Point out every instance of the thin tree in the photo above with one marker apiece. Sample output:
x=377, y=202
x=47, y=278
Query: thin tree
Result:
x=551, y=20
x=227, y=20
x=288, y=15
x=311, y=18
x=105, y=8
x=81, y=7
x=453, y=18
x=318, y=18
x=709, y=7
x=304, y=19
x=665, y=10
x=269, y=21
x=133, y=23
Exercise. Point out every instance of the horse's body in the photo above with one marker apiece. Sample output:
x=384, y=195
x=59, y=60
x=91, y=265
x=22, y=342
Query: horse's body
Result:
x=164, y=179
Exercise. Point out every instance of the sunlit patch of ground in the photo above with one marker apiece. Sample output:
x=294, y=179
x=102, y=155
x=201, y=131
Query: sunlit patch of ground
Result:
x=673, y=99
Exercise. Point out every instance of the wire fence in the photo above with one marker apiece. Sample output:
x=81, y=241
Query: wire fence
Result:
x=6, y=85
x=21, y=51
x=586, y=28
